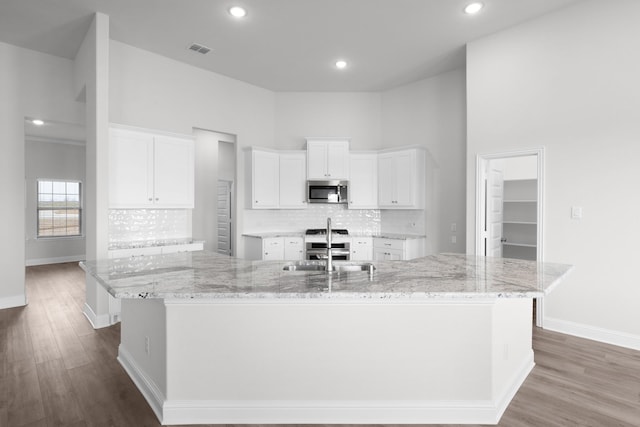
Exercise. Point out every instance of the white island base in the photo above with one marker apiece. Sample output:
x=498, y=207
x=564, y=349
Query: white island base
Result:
x=263, y=361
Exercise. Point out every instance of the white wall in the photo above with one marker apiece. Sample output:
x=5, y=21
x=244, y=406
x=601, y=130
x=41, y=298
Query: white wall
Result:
x=58, y=161
x=151, y=91
x=36, y=85
x=304, y=114
x=431, y=113
x=569, y=82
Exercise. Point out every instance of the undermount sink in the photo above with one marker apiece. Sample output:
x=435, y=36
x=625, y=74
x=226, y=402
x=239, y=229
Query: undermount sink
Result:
x=321, y=266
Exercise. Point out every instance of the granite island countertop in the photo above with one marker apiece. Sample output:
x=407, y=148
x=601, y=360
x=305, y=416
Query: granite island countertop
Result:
x=211, y=276
x=383, y=235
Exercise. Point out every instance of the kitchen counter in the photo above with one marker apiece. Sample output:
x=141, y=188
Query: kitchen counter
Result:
x=205, y=275
x=151, y=243
x=210, y=339
x=398, y=236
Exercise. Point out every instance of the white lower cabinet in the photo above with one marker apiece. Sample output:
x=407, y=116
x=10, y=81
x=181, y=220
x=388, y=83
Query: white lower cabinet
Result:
x=274, y=248
x=361, y=249
x=293, y=248
x=385, y=249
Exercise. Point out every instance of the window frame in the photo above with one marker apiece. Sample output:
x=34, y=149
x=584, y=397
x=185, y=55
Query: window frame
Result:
x=80, y=209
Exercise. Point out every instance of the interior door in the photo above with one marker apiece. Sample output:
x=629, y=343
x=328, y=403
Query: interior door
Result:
x=224, y=217
x=495, y=196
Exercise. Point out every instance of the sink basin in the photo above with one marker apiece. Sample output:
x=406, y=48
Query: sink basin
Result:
x=321, y=266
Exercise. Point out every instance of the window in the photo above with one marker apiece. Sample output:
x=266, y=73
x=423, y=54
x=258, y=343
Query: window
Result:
x=59, y=208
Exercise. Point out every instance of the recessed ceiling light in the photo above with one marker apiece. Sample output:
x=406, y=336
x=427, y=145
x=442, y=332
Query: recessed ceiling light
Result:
x=341, y=64
x=37, y=122
x=473, y=8
x=238, y=12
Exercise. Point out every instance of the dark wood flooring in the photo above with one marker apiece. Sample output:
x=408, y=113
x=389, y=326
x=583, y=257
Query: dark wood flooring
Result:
x=55, y=370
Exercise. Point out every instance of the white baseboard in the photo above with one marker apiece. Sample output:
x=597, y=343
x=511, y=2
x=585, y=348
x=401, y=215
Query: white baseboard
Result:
x=56, y=260
x=14, y=301
x=595, y=333
x=320, y=412
x=97, y=321
x=150, y=391
x=514, y=385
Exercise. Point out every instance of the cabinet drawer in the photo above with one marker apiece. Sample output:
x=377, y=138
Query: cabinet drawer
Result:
x=389, y=244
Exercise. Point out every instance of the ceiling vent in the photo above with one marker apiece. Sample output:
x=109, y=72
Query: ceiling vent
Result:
x=199, y=48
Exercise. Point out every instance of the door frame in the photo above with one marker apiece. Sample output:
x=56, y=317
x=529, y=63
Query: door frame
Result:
x=481, y=163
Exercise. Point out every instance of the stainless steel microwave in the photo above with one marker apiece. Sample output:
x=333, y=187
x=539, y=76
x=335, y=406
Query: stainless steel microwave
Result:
x=327, y=191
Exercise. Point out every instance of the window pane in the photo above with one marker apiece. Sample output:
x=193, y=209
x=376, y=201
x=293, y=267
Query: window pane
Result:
x=45, y=187
x=73, y=188
x=59, y=187
x=73, y=201
x=45, y=223
x=45, y=200
x=73, y=219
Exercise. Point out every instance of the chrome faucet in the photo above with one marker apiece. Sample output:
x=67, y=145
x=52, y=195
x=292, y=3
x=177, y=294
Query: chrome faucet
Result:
x=329, y=250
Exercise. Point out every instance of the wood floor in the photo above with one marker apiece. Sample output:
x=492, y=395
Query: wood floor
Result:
x=55, y=370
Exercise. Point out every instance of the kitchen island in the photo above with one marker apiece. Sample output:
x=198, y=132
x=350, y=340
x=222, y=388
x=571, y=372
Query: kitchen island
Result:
x=218, y=340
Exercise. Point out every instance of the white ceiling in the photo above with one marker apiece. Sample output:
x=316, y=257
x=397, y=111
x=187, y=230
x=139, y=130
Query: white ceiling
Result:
x=282, y=45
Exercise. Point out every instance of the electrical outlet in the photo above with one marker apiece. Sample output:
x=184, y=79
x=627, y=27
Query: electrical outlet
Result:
x=147, y=346
x=454, y=239
x=576, y=212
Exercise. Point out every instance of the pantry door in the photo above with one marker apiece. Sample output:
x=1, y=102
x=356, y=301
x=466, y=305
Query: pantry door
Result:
x=224, y=217
x=494, y=215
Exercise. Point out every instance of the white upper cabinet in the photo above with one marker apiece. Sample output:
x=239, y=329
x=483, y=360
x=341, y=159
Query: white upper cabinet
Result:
x=293, y=180
x=327, y=159
x=262, y=170
x=401, y=179
x=173, y=172
x=363, y=181
x=150, y=170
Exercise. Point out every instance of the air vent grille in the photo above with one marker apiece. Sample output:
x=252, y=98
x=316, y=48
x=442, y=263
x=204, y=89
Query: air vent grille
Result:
x=199, y=48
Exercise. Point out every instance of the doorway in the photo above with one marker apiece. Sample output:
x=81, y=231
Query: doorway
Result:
x=509, y=208
x=215, y=166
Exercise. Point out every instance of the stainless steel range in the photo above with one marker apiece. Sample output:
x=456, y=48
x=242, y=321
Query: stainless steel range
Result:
x=316, y=244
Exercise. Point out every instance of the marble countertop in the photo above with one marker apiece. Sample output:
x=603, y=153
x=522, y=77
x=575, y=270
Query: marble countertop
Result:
x=397, y=236
x=151, y=243
x=207, y=275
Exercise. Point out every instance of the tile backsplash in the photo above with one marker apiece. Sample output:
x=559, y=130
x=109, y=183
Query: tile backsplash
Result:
x=133, y=225
x=315, y=216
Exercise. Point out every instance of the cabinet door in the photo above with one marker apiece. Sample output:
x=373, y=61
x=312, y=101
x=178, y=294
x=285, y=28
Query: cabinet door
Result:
x=338, y=160
x=293, y=181
x=273, y=249
x=404, y=165
x=173, y=172
x=361, y=249
x=317, y=160
x=265, y=179
x=130, y=169
x=386, y=180
x=293, y=248
x=363, y=181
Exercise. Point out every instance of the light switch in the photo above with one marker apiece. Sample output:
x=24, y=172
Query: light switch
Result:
x=576, y=212
x=454, y=227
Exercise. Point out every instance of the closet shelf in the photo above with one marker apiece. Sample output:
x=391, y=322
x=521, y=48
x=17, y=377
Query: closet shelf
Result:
x=522, y=245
